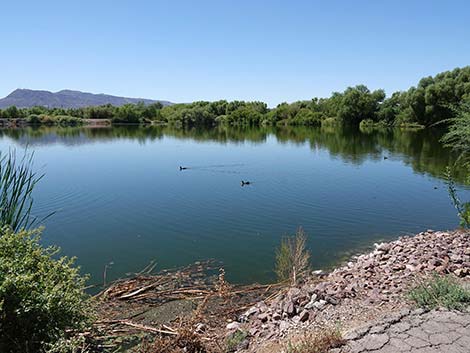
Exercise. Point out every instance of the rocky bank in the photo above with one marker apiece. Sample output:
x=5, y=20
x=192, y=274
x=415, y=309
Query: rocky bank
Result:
x=365, y=288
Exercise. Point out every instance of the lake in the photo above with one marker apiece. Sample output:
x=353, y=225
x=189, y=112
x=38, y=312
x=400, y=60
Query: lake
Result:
x=121, y=198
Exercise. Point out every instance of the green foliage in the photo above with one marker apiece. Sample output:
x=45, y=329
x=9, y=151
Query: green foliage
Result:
x=463, y=208
x=17, y=181
x=51, y=120
x=41, y=297
x=358, y=103
x=458, y=136
x=440, y=291
x=234, y=340
x=428, y=103
x=292, y=257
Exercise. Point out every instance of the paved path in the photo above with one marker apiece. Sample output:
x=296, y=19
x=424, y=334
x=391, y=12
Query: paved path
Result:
x=416, y=332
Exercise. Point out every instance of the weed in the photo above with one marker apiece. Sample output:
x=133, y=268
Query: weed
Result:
x=292, y=257
x=316, y=342
x=440, y=291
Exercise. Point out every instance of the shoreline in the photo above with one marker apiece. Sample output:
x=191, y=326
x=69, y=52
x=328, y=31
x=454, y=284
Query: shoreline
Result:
x=364, y=289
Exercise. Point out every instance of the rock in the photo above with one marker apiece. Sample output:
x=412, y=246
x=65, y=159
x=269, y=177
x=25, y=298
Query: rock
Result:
x=233, y=325
x=380, y=276
x=293, y=292
x=251, y=311
x=304, y=316
x=310, y=305
x=283, y=325
x=331, y=300
x=320, y=304
x=200, y=328
x=289, y=308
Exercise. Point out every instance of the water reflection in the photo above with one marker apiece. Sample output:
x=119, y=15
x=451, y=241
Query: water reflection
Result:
x=419, y=149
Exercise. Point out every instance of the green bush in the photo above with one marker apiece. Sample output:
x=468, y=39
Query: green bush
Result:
x=440, y=291
x=41, y=296
x=33, y=119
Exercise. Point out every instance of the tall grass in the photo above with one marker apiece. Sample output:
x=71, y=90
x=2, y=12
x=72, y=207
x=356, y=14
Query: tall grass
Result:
x=320, y=341
x=17, y=181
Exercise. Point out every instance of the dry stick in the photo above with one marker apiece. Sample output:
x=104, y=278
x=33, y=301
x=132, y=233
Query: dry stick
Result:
x=140, y=326
x=140, y=290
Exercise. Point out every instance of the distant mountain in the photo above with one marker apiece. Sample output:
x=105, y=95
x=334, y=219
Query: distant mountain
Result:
x=26, y=98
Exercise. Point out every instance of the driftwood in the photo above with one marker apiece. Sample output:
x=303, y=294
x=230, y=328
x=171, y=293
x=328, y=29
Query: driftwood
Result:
x=138, y=326
x=122, y=306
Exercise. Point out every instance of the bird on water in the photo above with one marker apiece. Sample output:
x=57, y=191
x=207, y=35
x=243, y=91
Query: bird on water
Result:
x=183, y=168
x=243, y=183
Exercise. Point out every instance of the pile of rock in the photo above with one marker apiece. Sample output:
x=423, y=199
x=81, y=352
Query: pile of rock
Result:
x=380, y=276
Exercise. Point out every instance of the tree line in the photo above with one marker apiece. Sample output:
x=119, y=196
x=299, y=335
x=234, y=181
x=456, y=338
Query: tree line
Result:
x=433, y=100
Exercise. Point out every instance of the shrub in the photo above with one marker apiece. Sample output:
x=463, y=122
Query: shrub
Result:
x=440, y=291
x=41, y=297
x=33, y=119
x=66, y=120
x=292, y=257
x=317, y=342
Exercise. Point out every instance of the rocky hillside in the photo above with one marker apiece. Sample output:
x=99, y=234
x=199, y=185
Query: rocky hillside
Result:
x=26, y=98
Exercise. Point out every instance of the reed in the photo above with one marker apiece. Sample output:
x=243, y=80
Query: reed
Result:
x=17, y=182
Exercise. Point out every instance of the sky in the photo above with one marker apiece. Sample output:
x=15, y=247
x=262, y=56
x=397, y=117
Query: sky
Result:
x=272, y=51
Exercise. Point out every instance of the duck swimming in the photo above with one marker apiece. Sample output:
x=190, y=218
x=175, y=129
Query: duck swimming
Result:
x=243, y=183
x=183, y=168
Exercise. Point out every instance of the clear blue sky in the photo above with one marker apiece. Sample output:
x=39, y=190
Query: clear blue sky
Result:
x=272, y=51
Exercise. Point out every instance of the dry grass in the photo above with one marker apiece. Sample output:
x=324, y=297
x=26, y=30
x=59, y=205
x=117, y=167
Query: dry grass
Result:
x=186, y=340
x=292, y=257
x=316, y=342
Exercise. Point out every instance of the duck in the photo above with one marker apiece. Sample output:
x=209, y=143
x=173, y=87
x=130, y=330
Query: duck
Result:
x=183, y=168
x=385, y=157
x=243, y=183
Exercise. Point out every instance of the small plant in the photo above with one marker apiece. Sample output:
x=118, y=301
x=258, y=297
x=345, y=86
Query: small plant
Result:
x=463, y=208
x=292, y=257
x=440, y=291
x=234, y=340
x=316, y=342
x=41, y=296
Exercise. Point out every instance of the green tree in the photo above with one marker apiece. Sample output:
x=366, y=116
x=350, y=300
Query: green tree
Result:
x=359, y=103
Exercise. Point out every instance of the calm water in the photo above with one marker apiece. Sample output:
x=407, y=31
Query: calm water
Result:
x=121, y=197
